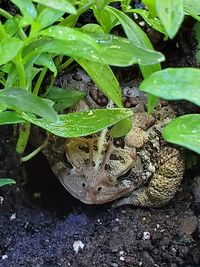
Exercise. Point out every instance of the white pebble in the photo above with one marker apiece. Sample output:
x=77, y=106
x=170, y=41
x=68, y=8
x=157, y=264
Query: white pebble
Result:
x=78, y=245
x=13, y=216
x=121, y=258
x=141, y=23
x=146, y=236
x=121, y=253
x=1, y=200
x=4, y=257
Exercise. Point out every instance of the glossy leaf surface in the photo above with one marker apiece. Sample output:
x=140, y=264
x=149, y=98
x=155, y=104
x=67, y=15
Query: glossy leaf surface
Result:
x=6, y=181
x=171, y=14
x=22, y=100
x=101, y=48
x=82, y=123
x=10, y=117
x=184, y=131
x=174, y=84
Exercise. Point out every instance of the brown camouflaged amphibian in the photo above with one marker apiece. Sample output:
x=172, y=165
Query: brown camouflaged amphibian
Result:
x=140, y=169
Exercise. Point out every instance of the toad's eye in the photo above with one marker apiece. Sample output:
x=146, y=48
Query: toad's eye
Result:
x=125, y=175
x=66, y=161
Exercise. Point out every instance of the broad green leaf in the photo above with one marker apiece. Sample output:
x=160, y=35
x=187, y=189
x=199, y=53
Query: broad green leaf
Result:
x=28, y=11
x=11, y=26
x=174, y=84
x=47, y=61
x=97, y=47
x=22, y=100
x=62, y=5
x=121, y=128
x=10, y=117
x=136, y=35
x=192, y=7
x=151, y=6
x=9, y=48
x=184, y=131
x=153, y=22
x=6, y=181
x=64, y=97
x=101, y=3
x=48, y=16
x=108, y=84
x=92, y=27
x=81, y=123
x=171, y=14
x=105, y=19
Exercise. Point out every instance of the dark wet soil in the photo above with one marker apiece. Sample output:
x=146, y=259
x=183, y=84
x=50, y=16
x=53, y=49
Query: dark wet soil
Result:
x=42, y=225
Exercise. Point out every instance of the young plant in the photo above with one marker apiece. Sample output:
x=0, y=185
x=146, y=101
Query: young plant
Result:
x=177, y=84
x=37, y=39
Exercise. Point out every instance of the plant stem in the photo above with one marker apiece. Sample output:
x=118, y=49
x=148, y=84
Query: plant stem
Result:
x=24, y=131
x=34, y=152
x=66, y=64
x=5, y=14
x=39, y=81
x=21, y=71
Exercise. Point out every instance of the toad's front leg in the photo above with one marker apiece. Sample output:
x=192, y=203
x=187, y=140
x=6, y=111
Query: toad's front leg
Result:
x=163, y=184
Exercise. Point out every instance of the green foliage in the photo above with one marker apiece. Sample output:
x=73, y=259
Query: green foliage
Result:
x=81, y=123
x=45, y=36
x=171, y=14
x=6, y=181
x=37, y=40
x=177, y=84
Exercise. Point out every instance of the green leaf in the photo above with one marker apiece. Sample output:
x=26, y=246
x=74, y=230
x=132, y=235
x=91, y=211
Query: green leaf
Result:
x=121, y=128
x=81, y=123
x=184, y=131
x=97, y=47
x=6, y=181
x=9, y=48
x=108, y=84
x=10, y=117
x=136, y=35
x=48, y=16
x=105, y=19
x=64, y=97
x=192, y=7
x=11, y=26
x=153, y=22
x=62, y=5
x=151, y=6
x=22, y=100
x=47, y=61
x=171, y=14
x=174, y=84
x=101, y=3
x=28, y=11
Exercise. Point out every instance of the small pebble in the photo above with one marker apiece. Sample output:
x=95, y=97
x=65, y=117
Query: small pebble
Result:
x=77, y=245
x=121, y=258
x=146, y=236
x=142, y=23
x=121, y=253
x=1, y=200
x=4, y=257
x=13, y=216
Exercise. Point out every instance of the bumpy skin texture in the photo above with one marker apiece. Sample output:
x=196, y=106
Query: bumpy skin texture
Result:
x=140, y=169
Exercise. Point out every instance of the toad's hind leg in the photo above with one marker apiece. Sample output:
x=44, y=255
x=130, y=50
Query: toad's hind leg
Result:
x=163, y=184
